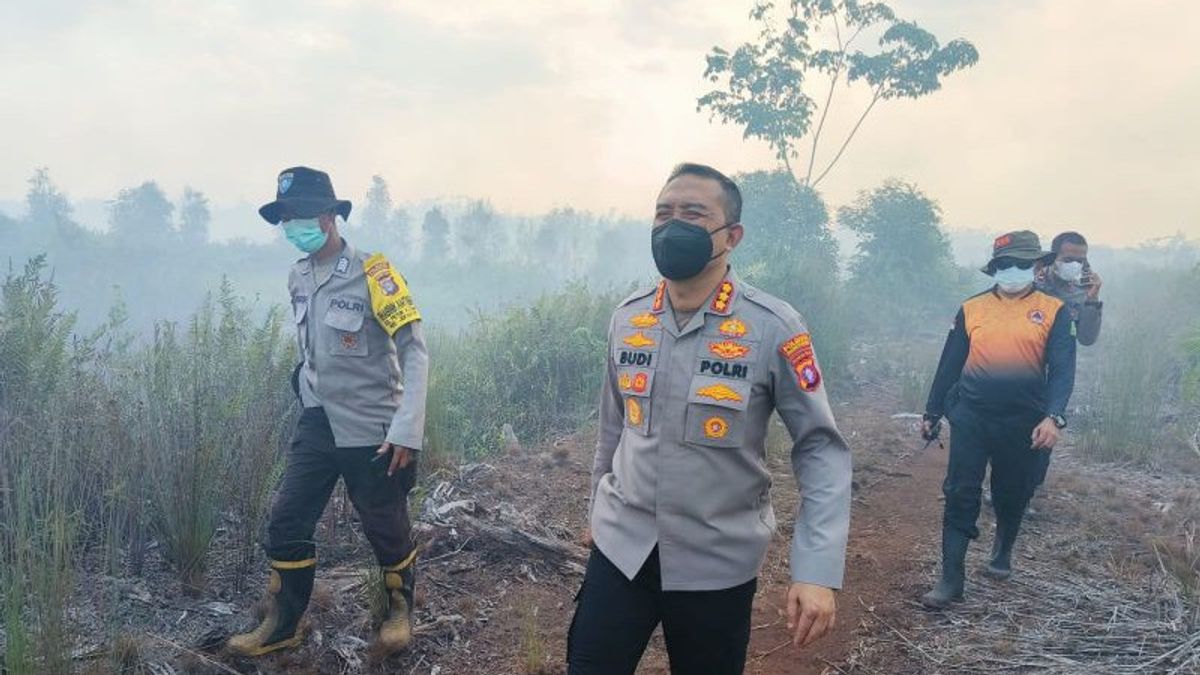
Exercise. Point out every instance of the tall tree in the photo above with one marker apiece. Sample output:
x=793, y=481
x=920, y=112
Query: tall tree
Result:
x=478, y=233
x=435, y=230
x=903, y=254
x=194, y=216
x=377, y=207
x=762, y=84
x=49, y=209
x=141, y=213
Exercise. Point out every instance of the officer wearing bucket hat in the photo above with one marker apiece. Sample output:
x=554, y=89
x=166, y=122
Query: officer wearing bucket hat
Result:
x=358, y=333
x=1004, y=379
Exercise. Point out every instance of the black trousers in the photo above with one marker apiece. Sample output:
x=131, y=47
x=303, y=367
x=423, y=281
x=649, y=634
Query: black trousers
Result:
x=976, y=441
x=707, y=632
x=1040, y=471
x=314, y=464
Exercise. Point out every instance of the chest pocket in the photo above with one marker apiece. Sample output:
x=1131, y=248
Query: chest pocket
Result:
x=344, y=332
x=716, y=411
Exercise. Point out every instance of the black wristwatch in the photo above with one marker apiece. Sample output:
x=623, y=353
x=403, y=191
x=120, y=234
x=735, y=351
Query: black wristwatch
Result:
x=1059, y=421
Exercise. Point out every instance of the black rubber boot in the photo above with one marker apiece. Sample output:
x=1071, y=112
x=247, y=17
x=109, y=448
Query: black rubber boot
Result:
x=288, y=590
x=399, y=582
x=1000, y=567
x=950, y=588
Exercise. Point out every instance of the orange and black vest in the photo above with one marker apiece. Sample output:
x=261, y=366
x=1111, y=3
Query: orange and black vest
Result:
x=1008, y=356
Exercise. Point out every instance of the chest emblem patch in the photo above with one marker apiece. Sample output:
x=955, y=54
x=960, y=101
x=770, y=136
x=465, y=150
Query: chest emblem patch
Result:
x=639, y=340
x=646, y=320
x=719, y=392
x=636, y=383
x=728, y=349
x=633, y=411
x=733, y=328
x=349, y=340
x=716, y=427
x=1037, y=316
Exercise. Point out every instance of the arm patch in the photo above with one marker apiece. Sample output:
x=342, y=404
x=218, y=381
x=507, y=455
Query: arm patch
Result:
x=798, y=352
x=391, y=301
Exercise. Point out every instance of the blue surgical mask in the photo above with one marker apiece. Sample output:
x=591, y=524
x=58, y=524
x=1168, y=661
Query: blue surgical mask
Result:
x=305, y=235
x=1013, y=279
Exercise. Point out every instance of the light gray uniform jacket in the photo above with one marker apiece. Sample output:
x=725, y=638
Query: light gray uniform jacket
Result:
x=680, y=458
x=352, y=365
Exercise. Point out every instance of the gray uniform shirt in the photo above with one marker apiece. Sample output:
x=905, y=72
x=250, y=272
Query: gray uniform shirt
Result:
x=1087, y=315
x=351, y=366
x=680, y=457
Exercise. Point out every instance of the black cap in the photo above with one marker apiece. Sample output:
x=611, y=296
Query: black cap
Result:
x=303, y=193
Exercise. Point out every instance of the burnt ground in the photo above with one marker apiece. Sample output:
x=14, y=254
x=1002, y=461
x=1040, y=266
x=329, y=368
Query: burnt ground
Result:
x=1091, y=580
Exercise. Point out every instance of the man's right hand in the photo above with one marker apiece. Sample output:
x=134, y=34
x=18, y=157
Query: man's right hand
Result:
x=585, y=537
x=930, y=427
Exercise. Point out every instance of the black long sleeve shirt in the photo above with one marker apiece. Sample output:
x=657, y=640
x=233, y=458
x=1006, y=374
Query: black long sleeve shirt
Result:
x=1008, y=356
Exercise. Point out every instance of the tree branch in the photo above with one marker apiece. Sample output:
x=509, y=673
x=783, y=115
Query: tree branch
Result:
x=812, y=157
x=874, y=100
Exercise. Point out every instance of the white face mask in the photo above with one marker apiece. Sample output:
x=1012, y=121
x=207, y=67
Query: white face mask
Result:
x=1069, y=271
x=1013, y=279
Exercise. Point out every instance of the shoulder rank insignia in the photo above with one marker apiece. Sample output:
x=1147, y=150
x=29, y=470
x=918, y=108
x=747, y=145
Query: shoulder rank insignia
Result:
x=720, y=303
x=658, y=297
x=390, y=299
x=639, y=340
x=646, y=320
x=719, y=392
x=733, y=328
x=728, y=349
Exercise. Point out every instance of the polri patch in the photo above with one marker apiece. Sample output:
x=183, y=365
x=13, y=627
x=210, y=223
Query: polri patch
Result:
x=798, y=352
x=390, y=299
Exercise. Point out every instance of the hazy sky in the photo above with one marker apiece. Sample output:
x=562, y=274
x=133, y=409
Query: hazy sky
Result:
x=1080, y=113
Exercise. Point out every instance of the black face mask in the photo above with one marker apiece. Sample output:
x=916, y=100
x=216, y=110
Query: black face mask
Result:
x=682, y=249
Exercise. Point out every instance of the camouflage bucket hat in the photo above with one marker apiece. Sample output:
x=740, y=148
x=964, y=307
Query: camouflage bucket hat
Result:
x=1021, y=244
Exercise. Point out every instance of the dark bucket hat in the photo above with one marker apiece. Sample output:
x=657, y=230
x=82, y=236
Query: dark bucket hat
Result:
x=1021, y=244
x=303, y=193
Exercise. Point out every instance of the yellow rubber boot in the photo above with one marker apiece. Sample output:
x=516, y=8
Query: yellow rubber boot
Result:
x=399, y=581
x=288, y=590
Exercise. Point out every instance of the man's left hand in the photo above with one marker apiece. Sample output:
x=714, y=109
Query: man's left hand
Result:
x=1093, y=288
x=811, y=612
x=401, y=456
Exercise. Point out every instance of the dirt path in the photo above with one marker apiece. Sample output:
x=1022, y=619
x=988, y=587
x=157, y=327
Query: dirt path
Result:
x=896, y=513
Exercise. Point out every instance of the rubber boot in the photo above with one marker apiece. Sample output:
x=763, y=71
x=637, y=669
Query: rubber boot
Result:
x=399, y=582
x=288, y=590
x=950, y=587
x=1000, y=566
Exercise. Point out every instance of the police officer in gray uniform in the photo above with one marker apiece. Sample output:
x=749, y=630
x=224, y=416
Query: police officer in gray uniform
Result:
x=680, y=513
x=359, y=334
